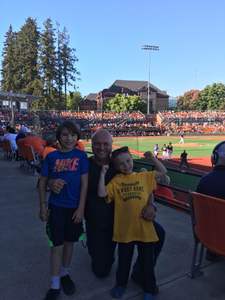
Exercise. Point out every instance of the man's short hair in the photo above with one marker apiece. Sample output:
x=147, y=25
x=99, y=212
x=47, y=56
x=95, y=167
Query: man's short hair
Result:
x=218, y=151
x=100, y=131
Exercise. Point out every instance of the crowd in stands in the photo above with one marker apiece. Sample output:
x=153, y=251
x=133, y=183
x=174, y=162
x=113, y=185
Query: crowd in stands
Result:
x=122, y=124
x=125, y=124
x=192, y=122
x=194, y=116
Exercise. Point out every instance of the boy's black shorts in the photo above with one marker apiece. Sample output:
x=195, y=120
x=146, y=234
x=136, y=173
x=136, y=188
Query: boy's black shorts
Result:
x=60, y=227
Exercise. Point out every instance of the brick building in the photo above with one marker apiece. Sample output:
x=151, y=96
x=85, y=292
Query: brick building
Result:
x=89, y=102
x=158, y=100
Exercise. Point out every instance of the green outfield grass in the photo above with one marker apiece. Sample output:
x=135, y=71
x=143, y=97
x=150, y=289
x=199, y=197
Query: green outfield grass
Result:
x=196, y=146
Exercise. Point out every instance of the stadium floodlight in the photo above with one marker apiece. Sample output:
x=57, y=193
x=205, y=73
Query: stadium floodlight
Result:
x=149, y=48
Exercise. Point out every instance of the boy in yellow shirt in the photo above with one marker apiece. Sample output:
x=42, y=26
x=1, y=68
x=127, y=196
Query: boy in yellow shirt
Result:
x=130, y=192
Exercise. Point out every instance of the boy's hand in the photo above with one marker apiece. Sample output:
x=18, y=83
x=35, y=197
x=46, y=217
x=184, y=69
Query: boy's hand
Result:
x=43, y=214
x=148, y=212
x=104, y=169
x=56, y=185
x=78, y=215
x=148, y=155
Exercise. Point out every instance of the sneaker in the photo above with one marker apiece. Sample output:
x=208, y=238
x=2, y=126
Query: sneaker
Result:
x=52, y=294
x=117, y=292
x=68, y=285
x=148, y=296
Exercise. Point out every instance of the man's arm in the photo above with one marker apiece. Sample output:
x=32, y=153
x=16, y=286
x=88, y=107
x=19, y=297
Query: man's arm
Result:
x=101, y=184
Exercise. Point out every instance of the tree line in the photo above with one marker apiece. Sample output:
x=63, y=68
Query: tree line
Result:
x=212, y=97
x=41, y=63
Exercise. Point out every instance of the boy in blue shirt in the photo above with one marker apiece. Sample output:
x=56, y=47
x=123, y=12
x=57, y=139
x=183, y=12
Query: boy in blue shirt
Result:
x=65, y=209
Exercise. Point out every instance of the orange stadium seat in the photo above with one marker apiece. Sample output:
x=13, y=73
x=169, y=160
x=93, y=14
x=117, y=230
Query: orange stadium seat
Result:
x=208, y=220
x=7, y=150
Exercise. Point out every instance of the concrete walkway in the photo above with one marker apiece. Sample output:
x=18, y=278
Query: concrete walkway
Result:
x=24, y=252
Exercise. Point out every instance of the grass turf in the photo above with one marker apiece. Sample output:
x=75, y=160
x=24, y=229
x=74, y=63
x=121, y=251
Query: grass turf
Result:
x=196, y=146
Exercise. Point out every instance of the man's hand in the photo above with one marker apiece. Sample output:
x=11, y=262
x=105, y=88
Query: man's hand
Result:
x=56, y=185
x=148, y=212
x=78, y=215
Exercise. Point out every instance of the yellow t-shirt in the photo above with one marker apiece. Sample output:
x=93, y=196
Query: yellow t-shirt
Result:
x=130, y=194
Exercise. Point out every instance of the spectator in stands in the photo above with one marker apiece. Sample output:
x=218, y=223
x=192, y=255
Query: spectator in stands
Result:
x=1, y=134
x=99, y=215
x=65, y=209
x=10, y=136
x=22, y=133
x=212, y=184
x=183, y=160
x=80, y=145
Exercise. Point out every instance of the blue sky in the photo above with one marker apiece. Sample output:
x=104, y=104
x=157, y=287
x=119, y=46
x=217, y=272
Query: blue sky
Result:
x=108, y=36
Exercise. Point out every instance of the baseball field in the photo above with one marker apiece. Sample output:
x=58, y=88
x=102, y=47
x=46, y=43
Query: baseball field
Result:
x=199, y=148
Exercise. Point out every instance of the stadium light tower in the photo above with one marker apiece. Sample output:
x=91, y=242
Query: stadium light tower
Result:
x=149, y=48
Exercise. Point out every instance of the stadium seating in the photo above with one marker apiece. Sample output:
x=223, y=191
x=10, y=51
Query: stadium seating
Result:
x=208, y=223
x=30, y=161
x=7, y=150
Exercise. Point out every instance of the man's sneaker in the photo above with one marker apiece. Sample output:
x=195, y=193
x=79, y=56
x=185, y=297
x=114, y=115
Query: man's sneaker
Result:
x=148, y=296
x=52, y=294
x=117, y=292
x=68, y=285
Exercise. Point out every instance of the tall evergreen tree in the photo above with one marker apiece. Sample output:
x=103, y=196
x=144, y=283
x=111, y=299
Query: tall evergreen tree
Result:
x=59, y=69
x=69, y=71
x=33, y=63
x=8, y=63
x=48, y=62
x=27, y=59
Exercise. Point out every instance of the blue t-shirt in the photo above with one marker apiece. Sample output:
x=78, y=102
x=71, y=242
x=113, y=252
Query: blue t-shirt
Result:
x=68, y=166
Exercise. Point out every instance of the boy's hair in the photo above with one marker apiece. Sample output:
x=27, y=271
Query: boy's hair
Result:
x=70, y=126
x=118, y=151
